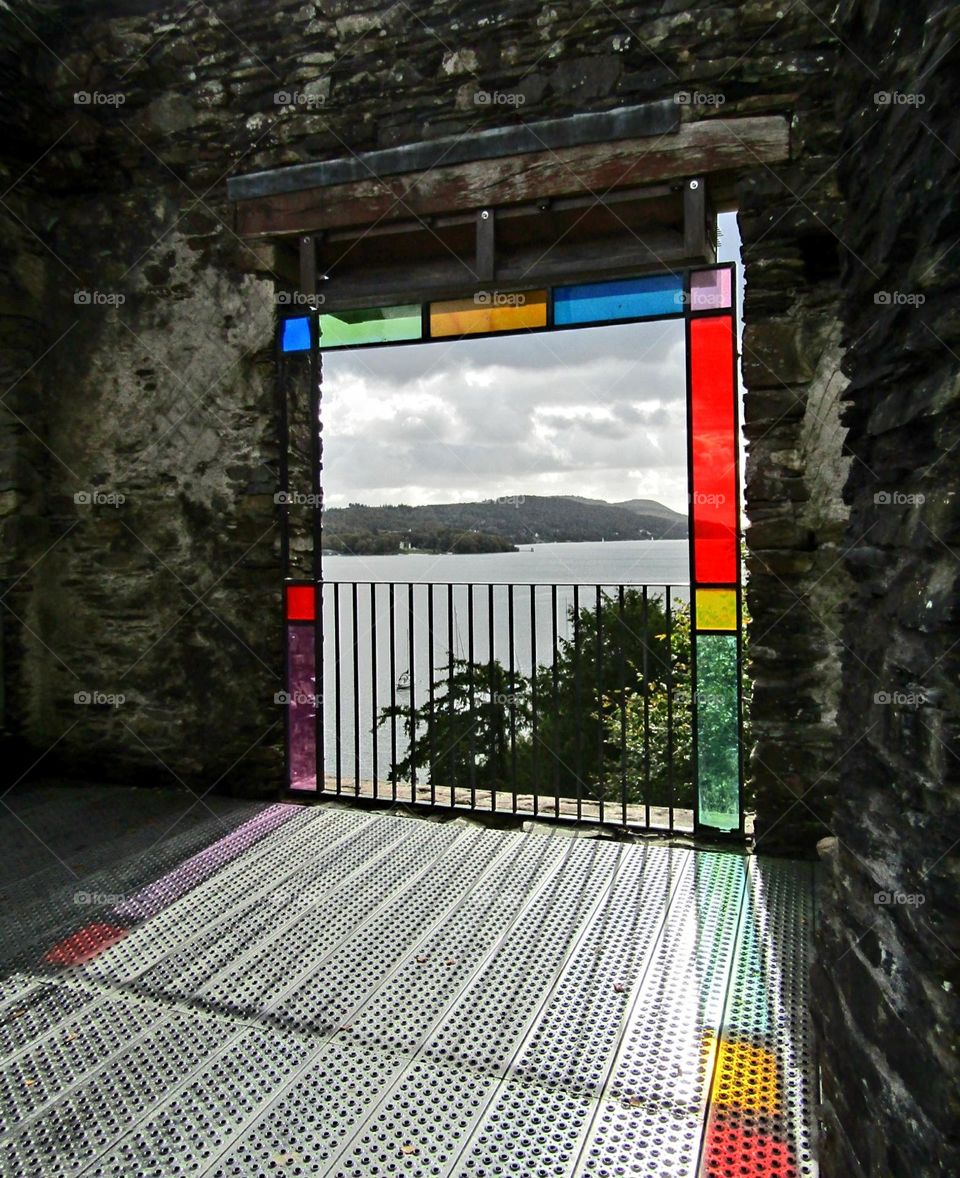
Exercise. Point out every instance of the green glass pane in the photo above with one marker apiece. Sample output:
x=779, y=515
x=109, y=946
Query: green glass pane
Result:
x=372, y=325
x=718, y=731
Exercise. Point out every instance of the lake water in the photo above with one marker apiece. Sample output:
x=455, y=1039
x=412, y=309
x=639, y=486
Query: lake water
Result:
x=644, y=562
x=362, y=617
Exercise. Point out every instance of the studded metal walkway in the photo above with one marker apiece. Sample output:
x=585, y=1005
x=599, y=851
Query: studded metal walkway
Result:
x=323, y=991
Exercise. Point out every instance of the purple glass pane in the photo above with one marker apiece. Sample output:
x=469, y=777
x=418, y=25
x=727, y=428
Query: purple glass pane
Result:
x=710, y=290
x=302, y=707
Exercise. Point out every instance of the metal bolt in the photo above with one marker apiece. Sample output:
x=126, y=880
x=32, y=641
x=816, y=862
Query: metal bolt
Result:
x=485, y=215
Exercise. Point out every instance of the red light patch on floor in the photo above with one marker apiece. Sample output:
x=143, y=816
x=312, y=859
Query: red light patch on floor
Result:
x=732, y=1148
x=85, y=944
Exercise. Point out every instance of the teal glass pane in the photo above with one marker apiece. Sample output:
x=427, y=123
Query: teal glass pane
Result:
x=628, y=298
x=295, y=334
x=718, y=731
x=372, y=325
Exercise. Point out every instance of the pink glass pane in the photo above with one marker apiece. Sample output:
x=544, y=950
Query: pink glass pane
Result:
x=710, y=290
x=301, y=707
x=713, y=481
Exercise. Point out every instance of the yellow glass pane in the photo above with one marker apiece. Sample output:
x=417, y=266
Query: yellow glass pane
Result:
x=716, y=609
x=492, y=310
x=745, y=1076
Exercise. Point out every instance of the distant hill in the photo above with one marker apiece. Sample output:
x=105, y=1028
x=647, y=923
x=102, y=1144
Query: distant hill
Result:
x=645, y=507
x=519, y=519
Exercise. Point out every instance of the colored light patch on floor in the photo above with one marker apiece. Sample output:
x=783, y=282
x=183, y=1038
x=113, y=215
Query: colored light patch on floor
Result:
x=84, y=944
x=744, y=1077
x=731, y=1148
x=151, y=899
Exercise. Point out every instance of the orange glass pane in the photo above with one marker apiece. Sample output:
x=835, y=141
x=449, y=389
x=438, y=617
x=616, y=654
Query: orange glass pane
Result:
x=489, y=311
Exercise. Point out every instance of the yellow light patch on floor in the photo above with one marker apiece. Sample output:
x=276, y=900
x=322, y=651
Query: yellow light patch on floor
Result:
x=745, y=1076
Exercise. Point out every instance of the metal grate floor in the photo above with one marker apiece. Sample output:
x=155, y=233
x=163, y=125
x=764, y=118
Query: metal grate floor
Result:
x=351, y=994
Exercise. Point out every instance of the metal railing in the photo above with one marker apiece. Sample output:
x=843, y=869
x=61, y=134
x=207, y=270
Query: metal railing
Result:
x=560, y=701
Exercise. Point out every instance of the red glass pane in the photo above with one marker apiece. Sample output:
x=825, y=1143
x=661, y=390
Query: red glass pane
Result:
x=713, y=479
x=301, y=603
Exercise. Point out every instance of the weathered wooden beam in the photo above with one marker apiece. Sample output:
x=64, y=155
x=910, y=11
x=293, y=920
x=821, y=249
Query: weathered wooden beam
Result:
x=526, y=269
x=705, y=147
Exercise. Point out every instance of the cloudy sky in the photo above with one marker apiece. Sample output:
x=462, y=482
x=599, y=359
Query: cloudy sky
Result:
x=597, y=412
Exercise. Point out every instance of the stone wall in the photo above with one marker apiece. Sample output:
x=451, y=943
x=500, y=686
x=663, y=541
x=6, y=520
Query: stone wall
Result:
x=885, y=985
x=165, y=398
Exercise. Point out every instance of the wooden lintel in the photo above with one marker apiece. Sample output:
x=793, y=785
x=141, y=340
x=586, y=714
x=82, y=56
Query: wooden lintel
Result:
x=525, y=269
x=699, y=148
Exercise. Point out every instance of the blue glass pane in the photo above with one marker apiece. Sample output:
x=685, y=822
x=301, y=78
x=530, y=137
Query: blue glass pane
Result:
x=627, y=298
x=295, y=335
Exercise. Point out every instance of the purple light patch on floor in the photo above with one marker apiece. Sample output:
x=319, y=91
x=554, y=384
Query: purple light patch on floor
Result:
x=156, y=896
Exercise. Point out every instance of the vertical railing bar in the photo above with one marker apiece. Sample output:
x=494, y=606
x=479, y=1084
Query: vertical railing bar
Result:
x=511, y=630
x=336, y=678
x=669, y=703
x=413, y=692
x=472, y=699
x=600, y=733
x=646, y=705
x=431, y=733
x=491, y=676
x=393, y=689
x=354, y=589
x=533, y=701
x=578, y=703
x=556, y=696
x=374, y=748
x=621, y=647
x=451, y=769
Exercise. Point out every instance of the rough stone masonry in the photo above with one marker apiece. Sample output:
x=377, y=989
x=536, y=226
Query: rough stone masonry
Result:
x=139, y=449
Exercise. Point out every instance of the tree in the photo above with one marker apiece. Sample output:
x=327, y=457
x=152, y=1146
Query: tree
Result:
x=463, y=738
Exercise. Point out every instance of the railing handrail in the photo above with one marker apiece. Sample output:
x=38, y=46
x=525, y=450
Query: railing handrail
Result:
x=525, y=584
